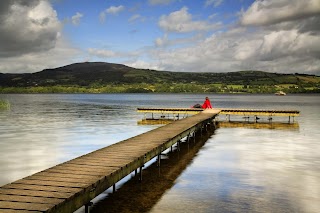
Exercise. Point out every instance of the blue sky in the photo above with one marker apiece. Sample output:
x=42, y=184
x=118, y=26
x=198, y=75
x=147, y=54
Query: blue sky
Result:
x=177, y=35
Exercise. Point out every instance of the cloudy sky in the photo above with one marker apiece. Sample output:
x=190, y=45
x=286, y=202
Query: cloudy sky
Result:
x=177, y=35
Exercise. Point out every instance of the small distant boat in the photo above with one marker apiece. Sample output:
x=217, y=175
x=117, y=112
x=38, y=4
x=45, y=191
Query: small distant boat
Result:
x=280, y=93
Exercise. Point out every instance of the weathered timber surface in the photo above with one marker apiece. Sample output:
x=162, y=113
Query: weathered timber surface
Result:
x=70, y=185
x=266, y=112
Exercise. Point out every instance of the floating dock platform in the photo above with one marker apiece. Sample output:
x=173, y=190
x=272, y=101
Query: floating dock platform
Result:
x=246, y=113
x=68, y=186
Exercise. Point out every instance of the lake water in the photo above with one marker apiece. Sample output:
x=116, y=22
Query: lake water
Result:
x=238, y=169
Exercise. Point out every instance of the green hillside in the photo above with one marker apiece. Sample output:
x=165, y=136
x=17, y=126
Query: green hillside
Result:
x=98, y=77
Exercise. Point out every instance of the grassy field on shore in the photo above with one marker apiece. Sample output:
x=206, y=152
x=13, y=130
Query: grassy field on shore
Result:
x=164, y=88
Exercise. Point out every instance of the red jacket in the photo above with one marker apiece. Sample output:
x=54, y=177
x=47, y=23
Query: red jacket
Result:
x=206, y=104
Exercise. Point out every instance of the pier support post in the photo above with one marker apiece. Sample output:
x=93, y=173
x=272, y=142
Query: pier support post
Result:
x=256, y=118
x=114, y=188
x=140, y=177
x=158, y=163
x=87, y=207
x=159, y=159
x=178, y=145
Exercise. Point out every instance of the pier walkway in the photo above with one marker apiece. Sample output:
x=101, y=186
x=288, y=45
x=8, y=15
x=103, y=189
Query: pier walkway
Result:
x=70, y=185
x=183, y=112
x=225, y=111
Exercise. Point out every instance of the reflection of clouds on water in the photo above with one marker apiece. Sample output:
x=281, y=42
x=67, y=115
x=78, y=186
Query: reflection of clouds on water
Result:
x=286, y=168
x=18, y=160
x=238, y=170
x=41, y=131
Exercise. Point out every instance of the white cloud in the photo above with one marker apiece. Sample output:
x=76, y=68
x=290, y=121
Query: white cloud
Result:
x=101, y=53
x=268, y=12
x=215, y=3
x=164, y=41
x=247, y=49
x=140, y=64
x=27, y=27
x=181, y=21
x=107, y=54
x=289, y=43
x=113, y=10
x=136, y=17
x=238, y=49
x=160, y=42
x=281, y=43
x=76, y=18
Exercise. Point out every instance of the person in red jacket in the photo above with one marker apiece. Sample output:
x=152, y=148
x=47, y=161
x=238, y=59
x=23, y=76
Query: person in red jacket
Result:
x=207, y=104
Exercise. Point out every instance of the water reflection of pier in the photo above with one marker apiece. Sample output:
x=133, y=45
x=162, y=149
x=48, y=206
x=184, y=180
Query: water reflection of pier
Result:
x=135, y=197
x=232, y=124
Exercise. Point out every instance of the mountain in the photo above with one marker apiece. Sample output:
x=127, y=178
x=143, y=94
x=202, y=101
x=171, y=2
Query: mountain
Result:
x=100, y=73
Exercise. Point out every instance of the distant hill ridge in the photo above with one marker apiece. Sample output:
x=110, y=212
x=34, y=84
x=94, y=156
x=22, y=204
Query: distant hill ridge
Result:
x=88, y=73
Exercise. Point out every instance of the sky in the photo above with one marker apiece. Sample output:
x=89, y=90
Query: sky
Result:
x=280, y=36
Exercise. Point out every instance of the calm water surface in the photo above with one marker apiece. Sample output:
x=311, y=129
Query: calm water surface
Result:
x=237, y=170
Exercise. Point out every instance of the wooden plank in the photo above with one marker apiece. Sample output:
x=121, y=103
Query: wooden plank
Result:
x=87, y=180
x=96, y=164
x=52, y=183
x=17, y=211
x=127, y=150
x=75, y=177
x=111, y=156
x=40, y=188
x=106, y=156
x=87, y=165
x=82, y=170
x=102, y=160
x=93, y=169
x=25, y=206
x=223, y=111
x=33, y=193
x=77, y=172
x=70, y=175
x=170, y=110
x=29, y=199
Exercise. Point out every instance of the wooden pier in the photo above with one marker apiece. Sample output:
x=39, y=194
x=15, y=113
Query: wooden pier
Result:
x=68, y=186
x=246, y=113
